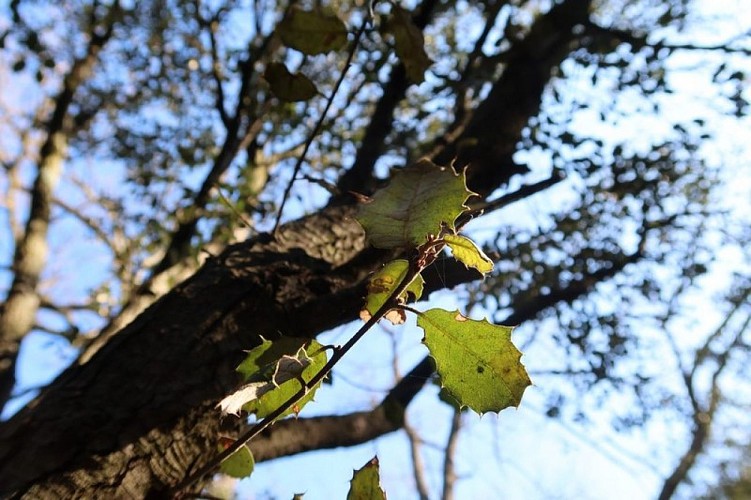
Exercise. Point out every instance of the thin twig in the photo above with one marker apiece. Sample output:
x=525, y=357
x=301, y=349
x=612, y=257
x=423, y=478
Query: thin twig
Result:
x=339, y=353
x=418, y=466
x=449, y=472
x=321, y=120
x=234, y=210
x=522, y=193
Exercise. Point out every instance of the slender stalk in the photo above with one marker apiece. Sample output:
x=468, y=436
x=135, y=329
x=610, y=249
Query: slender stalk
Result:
x=321, y=120
x=339, y=353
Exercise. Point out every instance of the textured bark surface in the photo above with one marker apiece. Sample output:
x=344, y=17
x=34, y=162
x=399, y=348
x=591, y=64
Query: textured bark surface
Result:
x=140, y=414
x=142, y=411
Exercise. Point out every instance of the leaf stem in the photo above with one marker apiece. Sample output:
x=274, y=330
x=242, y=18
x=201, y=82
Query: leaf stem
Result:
x=339, y=352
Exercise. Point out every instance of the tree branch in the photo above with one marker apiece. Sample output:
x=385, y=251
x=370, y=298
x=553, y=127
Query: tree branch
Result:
x=290, y=437
x=211, y=26
x=489, y=140
x=359, y=177
x=449, y=472
x=703, y=415
x=22, y=303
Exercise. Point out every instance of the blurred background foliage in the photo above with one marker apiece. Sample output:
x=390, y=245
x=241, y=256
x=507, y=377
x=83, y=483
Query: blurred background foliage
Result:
x=629, y=274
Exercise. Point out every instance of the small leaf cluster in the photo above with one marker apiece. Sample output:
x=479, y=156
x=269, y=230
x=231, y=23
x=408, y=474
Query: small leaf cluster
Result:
x=478, y=364
x=319, y=31
x=273, y=373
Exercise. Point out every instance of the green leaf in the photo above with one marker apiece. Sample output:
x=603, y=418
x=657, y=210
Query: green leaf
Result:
x=288, y=86
x=260, y=363
x=365, y=483
x=312, y=31
x=477, y=363
x=409, y=43
x=419, y=199
x=466, y=252
x=305, y=364
x=383, y=283
x=272, y=371
x=240, y=464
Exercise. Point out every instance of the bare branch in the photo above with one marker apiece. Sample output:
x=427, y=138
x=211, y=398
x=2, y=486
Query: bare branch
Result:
x=418, y=467
x=449, y=472
x=211, y=26
x=641, y=40
x=18, y=314
x=94, y=225
x=703, y=415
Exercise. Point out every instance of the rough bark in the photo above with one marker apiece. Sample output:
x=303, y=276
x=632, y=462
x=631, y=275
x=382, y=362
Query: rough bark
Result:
x=284, y=438
x=140, y=414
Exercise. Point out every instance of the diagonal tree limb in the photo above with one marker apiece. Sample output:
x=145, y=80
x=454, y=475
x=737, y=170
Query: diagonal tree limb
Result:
x=139, y=415
x=349, y=430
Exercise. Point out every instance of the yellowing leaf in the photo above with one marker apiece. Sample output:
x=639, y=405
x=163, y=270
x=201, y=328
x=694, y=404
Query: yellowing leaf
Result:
x=312, y=31
x=240, y=464
x=409, y=43
x=383, y=283
x=466, y=252
x=288, y=86
x=477, y=363
x=365, y=483
x=418, y=200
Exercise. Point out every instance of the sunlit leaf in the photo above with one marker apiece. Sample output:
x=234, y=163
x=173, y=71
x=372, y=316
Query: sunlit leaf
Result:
x=382, y=284
x=303, y=364
x=365, y=483
x=260, y=362
x=240, y=464
x=466, y=252
x=312, y=31
x=273, y=370
x=419, y=199
x=478, y=364
x=288, y=86
x=409, y=43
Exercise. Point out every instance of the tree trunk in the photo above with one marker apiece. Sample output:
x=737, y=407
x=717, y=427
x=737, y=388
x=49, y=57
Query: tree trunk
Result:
x=140, y=414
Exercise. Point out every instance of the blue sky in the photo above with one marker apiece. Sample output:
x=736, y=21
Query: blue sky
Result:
x=521, y=453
